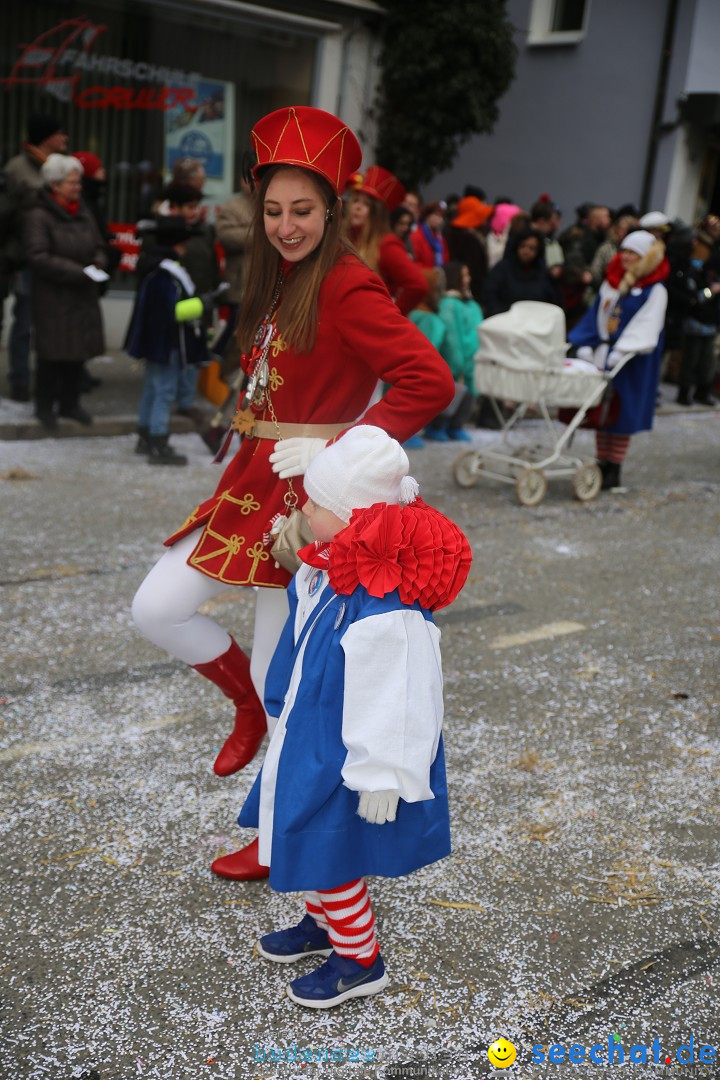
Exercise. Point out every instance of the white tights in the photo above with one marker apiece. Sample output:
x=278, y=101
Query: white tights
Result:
x=165, y=610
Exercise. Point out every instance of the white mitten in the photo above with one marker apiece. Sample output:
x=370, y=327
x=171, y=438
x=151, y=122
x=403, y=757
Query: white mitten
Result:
x=377, y=807
x=585, y=352
x=291, y=457
x=614, y=358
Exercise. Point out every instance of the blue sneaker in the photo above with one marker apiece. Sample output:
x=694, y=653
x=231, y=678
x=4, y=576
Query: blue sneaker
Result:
x=459, y=434
x=338, y=980
x=437, y=435
x=305, y=939
x=415, y=442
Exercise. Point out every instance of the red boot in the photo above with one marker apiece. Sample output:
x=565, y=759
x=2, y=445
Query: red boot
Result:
x=242, y=865
x=231, y=673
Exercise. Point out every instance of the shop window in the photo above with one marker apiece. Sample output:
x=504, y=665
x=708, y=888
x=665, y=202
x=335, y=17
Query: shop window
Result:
x=142, y=84
x=558, y=22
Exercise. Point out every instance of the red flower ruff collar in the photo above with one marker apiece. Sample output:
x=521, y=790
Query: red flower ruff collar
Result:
x=414, y=549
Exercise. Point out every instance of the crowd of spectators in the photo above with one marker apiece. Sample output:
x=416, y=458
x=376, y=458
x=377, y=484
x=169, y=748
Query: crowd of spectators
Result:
x=447, y=263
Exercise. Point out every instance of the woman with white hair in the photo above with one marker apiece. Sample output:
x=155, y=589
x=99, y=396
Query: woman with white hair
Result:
x=65, y=251
x=625, y=325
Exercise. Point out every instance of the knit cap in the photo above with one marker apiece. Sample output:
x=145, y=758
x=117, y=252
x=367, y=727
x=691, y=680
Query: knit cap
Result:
x=90, y=162
x=362, y=468
x=41, y=126
x=639, y=241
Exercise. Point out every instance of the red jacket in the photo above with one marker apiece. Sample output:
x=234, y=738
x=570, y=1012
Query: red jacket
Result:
x=423, y=250
x=361, y=339
x=405, y=280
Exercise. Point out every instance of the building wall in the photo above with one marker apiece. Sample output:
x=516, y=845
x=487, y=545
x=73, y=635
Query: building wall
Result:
x=576, y=121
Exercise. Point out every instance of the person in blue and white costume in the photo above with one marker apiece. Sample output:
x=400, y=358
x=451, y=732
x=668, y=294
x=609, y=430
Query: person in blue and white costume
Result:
x=625, y=325
x=354, y=778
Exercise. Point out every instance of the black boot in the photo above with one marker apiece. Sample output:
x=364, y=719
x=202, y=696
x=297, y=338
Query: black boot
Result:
x=683, y=396
x=69, y=372
x=46, y=416
x=611, y=475
x=160, y=452
x=19, y=392
x=703, y=396
x=45, y=394
x=77, y=413
x=142, y=446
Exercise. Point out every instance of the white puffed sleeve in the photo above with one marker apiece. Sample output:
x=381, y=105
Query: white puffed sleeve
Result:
x=642, y=332
x=393, y=703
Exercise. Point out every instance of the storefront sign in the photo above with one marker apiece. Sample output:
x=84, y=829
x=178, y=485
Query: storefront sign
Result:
x=44, y=60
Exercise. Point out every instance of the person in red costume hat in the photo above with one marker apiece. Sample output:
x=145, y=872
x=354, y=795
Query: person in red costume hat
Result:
x=368, y=229
x=317, y=332
x=353, y=782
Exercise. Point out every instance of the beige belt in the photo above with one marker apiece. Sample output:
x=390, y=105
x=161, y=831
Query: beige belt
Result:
x=265, y=429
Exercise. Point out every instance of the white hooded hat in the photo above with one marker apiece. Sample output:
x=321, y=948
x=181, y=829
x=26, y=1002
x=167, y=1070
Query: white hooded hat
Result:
x=639, y=241
x=363, y=467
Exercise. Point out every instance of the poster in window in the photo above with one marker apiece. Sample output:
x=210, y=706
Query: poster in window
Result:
x=203, y=128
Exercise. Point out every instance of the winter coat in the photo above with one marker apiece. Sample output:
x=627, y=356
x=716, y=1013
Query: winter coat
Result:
x=21, y=183
x=65, y=303
x=462, y=318
x=423, y=251
x=154, y=334
x=233, y=224
x=510, y=280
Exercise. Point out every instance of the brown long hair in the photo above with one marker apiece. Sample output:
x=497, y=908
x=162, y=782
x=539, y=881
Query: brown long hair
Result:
x=297, y=314
x=366, y=240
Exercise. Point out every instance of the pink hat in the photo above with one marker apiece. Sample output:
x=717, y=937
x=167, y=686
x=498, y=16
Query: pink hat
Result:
x=504, y=212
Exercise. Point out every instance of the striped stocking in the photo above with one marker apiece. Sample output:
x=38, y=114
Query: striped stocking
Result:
x=611, y=447
x=347, y=915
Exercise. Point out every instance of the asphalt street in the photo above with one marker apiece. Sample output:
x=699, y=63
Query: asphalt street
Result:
x=581, y=904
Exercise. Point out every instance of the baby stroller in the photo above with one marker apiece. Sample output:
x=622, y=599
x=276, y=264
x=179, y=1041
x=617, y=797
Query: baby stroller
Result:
x=522, y=359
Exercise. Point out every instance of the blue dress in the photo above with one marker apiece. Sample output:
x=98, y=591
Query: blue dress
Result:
x=318, y=841
x=637, y=383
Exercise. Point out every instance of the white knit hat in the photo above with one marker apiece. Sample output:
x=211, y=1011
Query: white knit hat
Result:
x=654, y=219
x=364, y=467
x=639, y=241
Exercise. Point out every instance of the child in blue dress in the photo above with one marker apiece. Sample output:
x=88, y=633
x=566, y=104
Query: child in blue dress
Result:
x=354, y=778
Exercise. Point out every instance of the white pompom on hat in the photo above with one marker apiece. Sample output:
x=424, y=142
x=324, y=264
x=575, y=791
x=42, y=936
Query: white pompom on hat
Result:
x=639, y=241
x=363, y=467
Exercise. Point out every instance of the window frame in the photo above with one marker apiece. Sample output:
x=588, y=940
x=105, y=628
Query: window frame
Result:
x=541, y=16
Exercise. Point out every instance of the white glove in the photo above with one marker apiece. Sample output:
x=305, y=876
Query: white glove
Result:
x=377, y=807
x=291, y=457
x=614, y=357
x=585, y=352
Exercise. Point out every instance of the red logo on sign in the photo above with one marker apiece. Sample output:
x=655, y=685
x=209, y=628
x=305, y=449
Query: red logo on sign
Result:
x=37, y=64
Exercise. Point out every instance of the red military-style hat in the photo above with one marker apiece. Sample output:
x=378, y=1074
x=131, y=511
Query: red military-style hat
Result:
x=310, y=138
x=380, y=184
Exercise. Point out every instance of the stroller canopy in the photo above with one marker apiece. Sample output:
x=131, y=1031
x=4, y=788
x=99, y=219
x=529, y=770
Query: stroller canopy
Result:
x=531, y=335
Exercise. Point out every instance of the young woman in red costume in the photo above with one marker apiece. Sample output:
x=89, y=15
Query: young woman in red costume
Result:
x=318, y=331
x=368, y=229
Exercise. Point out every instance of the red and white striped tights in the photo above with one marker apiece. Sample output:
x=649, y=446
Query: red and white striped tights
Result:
x=347, y=915
x=611, y=447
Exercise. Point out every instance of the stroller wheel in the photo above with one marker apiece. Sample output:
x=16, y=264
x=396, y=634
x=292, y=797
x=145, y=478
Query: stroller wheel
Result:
x=530, y=487
x=587, y=482
x=466, y=469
